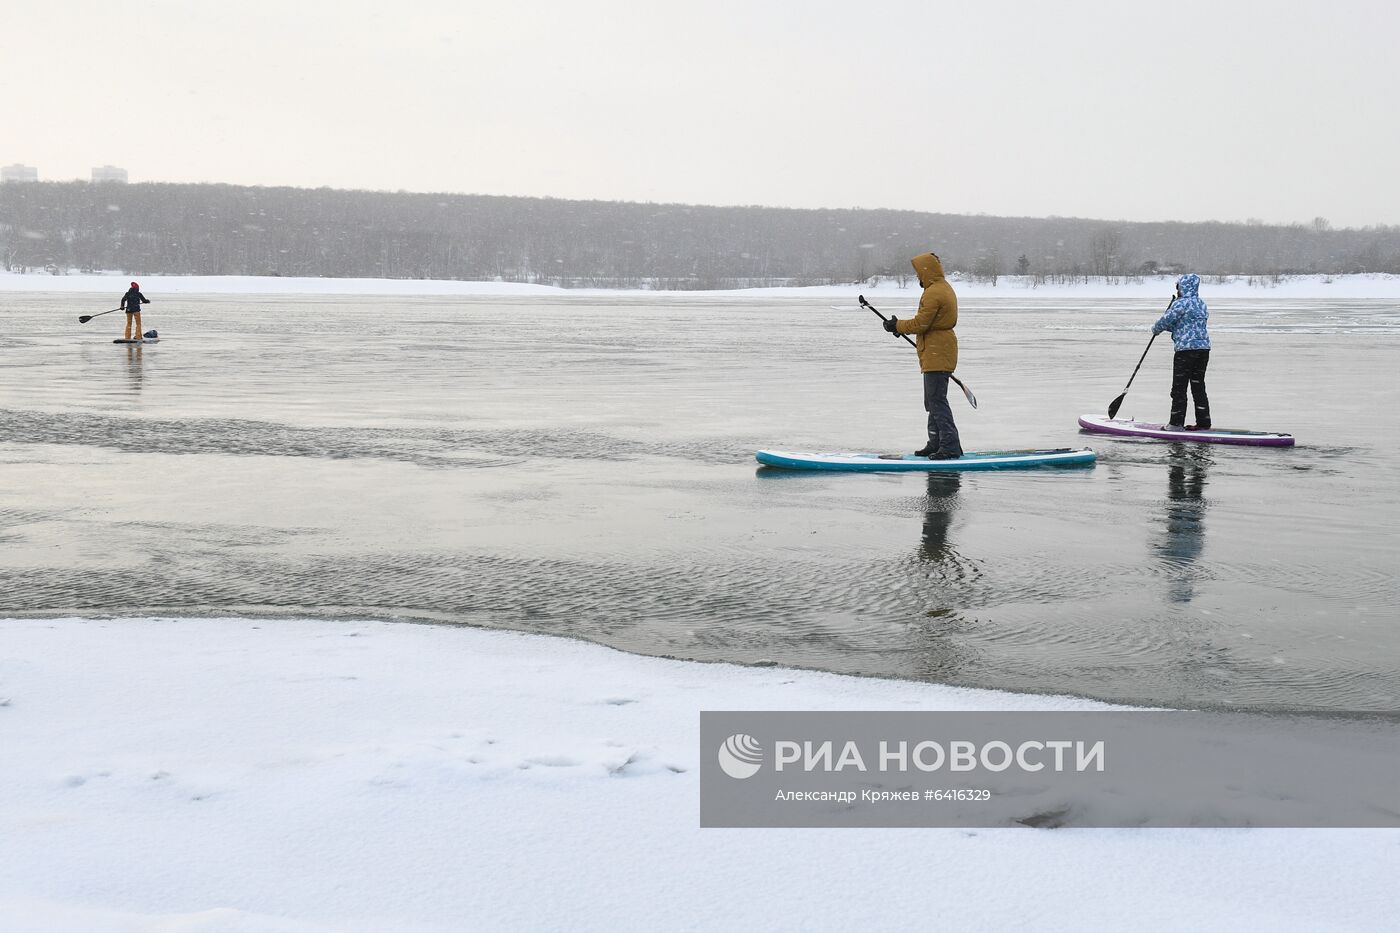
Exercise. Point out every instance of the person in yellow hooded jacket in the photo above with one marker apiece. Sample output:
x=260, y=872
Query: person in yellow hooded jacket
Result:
x=938, y=354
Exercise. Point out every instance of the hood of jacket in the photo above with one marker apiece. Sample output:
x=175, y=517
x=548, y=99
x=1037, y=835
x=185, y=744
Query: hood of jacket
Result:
x=1189, y=285
x=929, y=268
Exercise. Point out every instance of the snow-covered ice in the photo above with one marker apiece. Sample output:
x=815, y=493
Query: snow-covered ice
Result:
x=279, y=775
x=1367, y=285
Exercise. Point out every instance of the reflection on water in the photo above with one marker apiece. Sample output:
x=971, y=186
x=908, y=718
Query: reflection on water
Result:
x=135, y=367
x=420, y=459
x=946, y=578
x=938, y=517
x=1183, y=530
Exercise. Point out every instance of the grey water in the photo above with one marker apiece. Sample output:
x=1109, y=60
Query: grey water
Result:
x=583, y=466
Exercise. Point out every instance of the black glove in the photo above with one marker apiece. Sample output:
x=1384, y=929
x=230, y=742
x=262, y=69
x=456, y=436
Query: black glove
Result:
x=892, y=325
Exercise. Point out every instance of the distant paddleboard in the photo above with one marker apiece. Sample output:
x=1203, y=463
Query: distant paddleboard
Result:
x=1125, y=427
x=138, y=340
x=905, y=463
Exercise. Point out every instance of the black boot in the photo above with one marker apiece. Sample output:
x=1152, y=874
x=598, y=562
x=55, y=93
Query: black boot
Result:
x=926, y=450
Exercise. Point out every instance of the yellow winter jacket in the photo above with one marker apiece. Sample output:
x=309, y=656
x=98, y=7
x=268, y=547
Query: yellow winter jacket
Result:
x=935, y=319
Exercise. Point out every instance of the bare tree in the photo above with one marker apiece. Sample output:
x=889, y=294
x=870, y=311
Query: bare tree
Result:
x=231, y=230
x=987, y=267
x=1106, y=252
x=863, y=261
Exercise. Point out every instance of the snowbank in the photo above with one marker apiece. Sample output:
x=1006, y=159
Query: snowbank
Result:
x=213, y=775
x=1375, y=286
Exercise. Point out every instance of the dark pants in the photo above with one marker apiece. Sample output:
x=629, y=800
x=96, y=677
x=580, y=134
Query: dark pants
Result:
x=1189, y=368
x=942, y=432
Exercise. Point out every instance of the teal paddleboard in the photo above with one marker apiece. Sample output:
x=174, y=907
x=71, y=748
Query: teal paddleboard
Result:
x=904, y=463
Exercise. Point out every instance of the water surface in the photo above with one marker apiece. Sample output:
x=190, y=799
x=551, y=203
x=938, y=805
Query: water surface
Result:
x=584, y=466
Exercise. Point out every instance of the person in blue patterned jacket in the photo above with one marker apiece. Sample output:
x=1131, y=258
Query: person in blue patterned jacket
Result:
x=1186, y=319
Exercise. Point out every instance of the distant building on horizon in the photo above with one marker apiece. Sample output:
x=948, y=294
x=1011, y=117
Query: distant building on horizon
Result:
x=109, y=173
x=19, y=172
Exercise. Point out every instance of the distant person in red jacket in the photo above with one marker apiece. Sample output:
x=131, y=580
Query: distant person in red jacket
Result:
x=131, y=303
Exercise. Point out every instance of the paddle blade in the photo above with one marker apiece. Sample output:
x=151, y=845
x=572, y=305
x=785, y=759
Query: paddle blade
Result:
x=971, y=399
x=1116, y=404
x=84, y=318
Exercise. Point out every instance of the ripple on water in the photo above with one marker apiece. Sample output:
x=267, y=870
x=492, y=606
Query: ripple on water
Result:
x=1179, y=574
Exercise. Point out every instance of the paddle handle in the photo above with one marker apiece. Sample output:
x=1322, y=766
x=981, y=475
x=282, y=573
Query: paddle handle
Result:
x=1144, y=353
x=971, y=399
x=1117, y=403
x=1139, y=363
x=866, y=304
x=83, y=319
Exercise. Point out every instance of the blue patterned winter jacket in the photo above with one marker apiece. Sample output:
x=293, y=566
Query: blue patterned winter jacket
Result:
x=1186, y=318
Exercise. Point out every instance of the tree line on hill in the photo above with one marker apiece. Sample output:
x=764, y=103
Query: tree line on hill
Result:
x=180, y=229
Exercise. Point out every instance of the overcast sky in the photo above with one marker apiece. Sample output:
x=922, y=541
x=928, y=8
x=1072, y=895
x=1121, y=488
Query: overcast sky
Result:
x=1281, y=111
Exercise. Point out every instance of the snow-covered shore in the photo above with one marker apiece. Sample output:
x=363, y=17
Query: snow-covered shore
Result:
x=1373, y=286
x=201, y=775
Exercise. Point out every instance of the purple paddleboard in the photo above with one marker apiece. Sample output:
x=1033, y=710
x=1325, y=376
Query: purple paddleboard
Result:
x=1124, y=427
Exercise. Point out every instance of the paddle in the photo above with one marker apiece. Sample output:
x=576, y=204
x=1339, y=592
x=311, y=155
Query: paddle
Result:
x=84, y=318
x=971, y=399
x=1117, y=403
